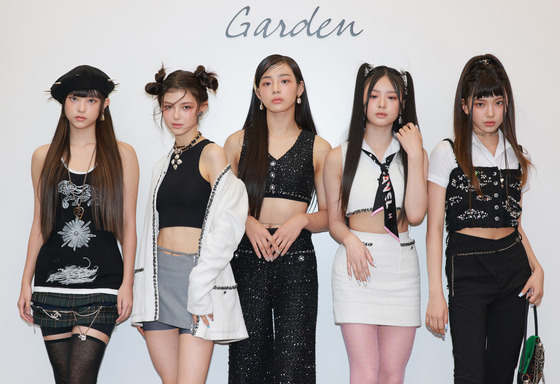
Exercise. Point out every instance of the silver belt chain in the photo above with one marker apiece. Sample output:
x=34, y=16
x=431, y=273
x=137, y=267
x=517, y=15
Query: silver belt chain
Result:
x=476, y=253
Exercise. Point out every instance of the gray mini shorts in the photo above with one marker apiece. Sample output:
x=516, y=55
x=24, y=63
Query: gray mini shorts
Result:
x=173, y=285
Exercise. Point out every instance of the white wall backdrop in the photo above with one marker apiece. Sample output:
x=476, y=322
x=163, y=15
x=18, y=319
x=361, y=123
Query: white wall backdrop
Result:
x=40, y=40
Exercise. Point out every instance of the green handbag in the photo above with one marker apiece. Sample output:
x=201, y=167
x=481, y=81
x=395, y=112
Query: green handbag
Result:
x=531, y=362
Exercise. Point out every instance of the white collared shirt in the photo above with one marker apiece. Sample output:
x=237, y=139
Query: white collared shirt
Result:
x=393, y=147
x=442, y=159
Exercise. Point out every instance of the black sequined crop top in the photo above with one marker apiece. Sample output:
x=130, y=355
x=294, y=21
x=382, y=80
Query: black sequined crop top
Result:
x=292, y=176
x=497, y=207
x=183, y=194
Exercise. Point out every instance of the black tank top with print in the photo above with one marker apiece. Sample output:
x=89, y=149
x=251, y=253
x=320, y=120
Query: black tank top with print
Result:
x=78, y=258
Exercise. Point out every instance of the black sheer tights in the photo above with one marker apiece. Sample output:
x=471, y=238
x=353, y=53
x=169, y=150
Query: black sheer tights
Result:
x=58, y=351
x=75, y=361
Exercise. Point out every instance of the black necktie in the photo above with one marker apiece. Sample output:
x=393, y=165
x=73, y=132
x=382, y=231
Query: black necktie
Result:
x=385, y=197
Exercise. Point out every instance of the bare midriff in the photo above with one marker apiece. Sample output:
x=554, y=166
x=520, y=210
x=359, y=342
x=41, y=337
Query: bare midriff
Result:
x=365, y=222
x=488, y=233
x=276, y=211
x=180, y=239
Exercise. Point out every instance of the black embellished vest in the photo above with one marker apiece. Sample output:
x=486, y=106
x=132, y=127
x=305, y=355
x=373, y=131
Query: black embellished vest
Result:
x=497, y=207
x=291, y=176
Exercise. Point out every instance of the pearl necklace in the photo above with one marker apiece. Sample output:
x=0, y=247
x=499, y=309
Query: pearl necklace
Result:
x=179, y=149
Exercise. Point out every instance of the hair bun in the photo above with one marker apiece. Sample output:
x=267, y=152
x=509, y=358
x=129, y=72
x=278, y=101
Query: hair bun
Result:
x=154, y=88
x=208, y=80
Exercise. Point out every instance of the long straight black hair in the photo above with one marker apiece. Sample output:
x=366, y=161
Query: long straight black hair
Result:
x=483, y=76
x=368, y=77
x=253, y=163
x=107, y=176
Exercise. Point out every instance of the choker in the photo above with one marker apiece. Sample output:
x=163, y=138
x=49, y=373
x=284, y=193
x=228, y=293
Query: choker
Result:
x=484, y=134
x=179, y=149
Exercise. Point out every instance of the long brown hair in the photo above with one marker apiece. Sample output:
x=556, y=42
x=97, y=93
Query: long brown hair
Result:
x=368, y=76
x=483, y=76
x=107, y=176
x=253, y=164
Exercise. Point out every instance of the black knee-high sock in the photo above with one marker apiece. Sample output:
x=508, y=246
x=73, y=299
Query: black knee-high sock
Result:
x=85, y=359
x=58, y=355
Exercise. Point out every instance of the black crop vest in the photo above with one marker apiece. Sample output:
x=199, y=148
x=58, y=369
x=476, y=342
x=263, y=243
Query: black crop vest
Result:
x=291, y=176
x=497, y=207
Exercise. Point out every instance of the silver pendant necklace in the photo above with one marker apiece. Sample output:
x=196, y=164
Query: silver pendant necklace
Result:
x=78, y=209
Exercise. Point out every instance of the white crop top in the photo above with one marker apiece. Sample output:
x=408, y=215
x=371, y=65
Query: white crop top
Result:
x=364, y=186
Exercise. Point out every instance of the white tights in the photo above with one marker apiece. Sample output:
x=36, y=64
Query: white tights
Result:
x=377, y=354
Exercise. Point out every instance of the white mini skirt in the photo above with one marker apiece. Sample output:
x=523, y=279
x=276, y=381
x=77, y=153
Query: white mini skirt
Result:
x=393, y=295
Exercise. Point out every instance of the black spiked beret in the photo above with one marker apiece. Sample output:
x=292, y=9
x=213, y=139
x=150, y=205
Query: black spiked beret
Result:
x=82, y=77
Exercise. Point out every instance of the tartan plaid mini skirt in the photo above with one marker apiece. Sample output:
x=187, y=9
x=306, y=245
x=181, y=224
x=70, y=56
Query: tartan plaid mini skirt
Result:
x=67, y=310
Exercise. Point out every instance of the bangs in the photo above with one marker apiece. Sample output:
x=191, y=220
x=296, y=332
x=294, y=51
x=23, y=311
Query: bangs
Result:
x=380, y=72
x=185, y=91
x=86, y=93
x=488, y=86
x=395, y=82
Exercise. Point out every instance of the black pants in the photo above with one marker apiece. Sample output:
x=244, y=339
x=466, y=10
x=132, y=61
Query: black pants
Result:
x=485, y=312
x=279, y=302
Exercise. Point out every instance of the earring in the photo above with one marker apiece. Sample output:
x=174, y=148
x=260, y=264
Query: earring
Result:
x=200, y=114
x=261, y=106
x=400, y=119
x=298, y=100
x=102, y=116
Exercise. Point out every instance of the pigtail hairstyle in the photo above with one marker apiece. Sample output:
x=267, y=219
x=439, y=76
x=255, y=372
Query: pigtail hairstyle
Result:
x=484, y=76
x=368, y=76
x=106, y=177
x=253, y=162
x=197, y=84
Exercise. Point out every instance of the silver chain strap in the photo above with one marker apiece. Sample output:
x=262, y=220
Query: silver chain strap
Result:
x=475, y=253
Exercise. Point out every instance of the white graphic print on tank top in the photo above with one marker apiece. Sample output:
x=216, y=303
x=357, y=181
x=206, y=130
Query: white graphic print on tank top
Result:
x=74, y=274
x=75, y=234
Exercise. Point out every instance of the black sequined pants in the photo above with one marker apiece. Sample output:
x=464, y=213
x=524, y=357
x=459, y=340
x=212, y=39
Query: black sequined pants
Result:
x=279, y=302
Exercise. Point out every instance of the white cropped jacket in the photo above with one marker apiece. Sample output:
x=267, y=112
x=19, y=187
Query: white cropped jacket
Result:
x=212, y=287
